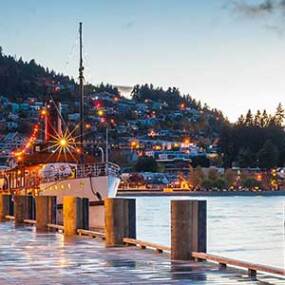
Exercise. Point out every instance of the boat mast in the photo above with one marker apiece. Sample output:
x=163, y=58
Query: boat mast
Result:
x=81, y=90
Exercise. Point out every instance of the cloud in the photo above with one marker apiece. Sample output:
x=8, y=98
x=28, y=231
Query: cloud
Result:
x=272, y=11
x=275, y=29
x=129, y=24
x=266, y=7
x=282, y=5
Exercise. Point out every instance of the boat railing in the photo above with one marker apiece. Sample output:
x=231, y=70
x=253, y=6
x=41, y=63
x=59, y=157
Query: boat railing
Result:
x=82, y=171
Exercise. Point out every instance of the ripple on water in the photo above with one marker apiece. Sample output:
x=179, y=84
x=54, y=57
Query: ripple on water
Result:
x=249, y=228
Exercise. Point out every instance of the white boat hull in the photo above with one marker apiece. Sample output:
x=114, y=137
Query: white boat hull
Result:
x=106, y=186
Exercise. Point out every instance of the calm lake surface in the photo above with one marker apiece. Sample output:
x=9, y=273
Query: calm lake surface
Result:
x=246, y=228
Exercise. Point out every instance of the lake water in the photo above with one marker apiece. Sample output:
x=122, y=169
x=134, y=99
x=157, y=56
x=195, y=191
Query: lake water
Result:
x=246, y=228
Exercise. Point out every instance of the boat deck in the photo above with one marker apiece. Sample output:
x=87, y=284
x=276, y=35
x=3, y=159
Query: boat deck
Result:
x=28, y=257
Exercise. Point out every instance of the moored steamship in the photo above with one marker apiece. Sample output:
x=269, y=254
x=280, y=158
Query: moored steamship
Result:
x=57, y=164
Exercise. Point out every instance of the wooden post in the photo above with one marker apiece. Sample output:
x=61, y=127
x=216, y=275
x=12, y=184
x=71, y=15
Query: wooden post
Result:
x=11, y=205
x=85, y=213
x=119, y=220
x=4, y=206
x=45, y=212
x=199, y=232
x=72, y=215
x=188, y=228
x=252, y=274
x=52, y=209
x=131, y=208
x=20, y=203
x=29, y=201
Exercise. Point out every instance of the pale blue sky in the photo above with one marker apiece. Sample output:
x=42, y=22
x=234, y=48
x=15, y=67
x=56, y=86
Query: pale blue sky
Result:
x=220, y=51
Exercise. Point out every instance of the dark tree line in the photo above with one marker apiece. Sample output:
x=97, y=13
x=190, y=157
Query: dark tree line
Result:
x=255, y=140
x=171, y=96
x=20, y=79
x=106, y=88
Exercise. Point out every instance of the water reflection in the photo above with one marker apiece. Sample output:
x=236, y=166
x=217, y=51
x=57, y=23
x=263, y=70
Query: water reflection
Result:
x=131, y=264
x=246, y=228
x=182, y=271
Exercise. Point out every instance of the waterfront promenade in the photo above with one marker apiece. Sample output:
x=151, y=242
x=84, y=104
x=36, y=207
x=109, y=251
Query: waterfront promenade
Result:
x=28, y=257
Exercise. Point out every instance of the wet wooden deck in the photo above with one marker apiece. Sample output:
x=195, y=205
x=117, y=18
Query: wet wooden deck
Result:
x=27, y=257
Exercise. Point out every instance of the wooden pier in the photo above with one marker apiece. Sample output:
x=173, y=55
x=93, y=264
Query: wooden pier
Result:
x=39, y=251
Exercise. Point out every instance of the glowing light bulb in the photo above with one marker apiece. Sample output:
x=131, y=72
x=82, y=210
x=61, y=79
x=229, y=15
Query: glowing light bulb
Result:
x=63, y=142
x=100, y=113
x=44, y=112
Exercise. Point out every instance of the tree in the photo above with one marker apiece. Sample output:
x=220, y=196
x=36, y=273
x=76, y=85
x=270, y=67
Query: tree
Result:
x=20, y=80
x=220, y=183
x=246, y=158
x=242, y=141
x=250, y=183
x=196, y=177
x=257, y=119
x=264, y=119
x=241, y=120
x=171, y=97
x=105, y=88
x=146, y=164
x=249, y=118
x=207, y=183
x=213, y=174
x=279, y=115
x=230, y=177
x=268, y=155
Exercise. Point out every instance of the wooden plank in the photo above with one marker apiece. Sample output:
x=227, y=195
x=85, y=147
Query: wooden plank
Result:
x=8, y=217
x=143, y=244
x=252, y=267
x=54, y=226
x=29, y=221
x=91, y=204
x=90, y=233
x=96, y=203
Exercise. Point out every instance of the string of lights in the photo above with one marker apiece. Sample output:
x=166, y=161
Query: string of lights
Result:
x=28, y=145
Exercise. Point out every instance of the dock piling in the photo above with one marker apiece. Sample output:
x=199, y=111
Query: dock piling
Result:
x=29, y=207
x=131, y=208
x=85, y=213
x=20, y=205
x=4, y=206
x=188, y=228
x=120, y=215
x=75, y=214
x=11, y=205
x=45, y=212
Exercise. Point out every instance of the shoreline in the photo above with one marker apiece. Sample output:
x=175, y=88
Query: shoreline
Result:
x=198, y=193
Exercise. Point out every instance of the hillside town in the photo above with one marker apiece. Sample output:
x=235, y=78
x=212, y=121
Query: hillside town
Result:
x=152, y=156
x=163, y=140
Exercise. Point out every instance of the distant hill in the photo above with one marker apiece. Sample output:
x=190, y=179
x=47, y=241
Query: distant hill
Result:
x=20, y=80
